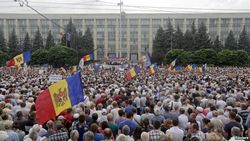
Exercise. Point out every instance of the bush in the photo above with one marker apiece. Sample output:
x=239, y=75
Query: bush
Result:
x=205, y=56
x=227, y=58
x=61, y=56
x=242, y=58
x=39, y=57
x=3, y=58
x=173, y=54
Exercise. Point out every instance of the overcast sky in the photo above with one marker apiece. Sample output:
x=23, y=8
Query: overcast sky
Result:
x=129, y=6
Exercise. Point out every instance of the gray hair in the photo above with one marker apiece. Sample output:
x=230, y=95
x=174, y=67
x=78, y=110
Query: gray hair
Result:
x=89, y=136
x=125, y=130
x=121, y=137
x=3, y=136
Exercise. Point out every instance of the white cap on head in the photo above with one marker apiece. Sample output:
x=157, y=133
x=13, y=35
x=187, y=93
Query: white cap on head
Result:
x=60, y=118
x=76, y=116
x=199, y=109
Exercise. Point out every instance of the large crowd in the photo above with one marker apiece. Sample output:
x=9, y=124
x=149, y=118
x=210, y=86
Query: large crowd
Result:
x=184, y=106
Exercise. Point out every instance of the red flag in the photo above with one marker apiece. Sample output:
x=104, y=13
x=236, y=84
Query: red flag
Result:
x=10, y=63
x=45, y=109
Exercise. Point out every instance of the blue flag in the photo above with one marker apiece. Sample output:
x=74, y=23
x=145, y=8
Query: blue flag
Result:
x=147, y=62
x=26, y=56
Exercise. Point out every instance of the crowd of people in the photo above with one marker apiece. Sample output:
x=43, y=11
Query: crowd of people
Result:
x=184, y=106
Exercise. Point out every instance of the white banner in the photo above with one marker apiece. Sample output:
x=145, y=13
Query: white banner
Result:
x=55, y=78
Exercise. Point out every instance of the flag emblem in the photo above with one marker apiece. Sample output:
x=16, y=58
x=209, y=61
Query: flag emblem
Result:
x=60, y=97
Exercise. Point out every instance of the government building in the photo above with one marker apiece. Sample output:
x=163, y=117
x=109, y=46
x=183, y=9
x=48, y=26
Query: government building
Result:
x=137, y=30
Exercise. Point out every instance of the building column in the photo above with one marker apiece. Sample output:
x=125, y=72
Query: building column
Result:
x=95, y=39
x=243, y=23
x=231, y=24
x=128, y=39
x=219, y=28
x=184, y=25
x=117, y=38
x=105, y=49
x=208, y=19
x=6, y=30
x=150, y=36
x=139, y=39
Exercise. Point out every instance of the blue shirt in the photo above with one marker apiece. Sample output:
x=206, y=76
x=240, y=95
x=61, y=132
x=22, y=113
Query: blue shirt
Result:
x=131, y=124
x=98, y=137
x=12, y=135
x=129, y=109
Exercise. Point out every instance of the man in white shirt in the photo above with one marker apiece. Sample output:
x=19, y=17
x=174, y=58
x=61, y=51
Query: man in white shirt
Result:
x=221, y=104
x=183, y=120
x=115, y=110
x=147, y=114
x=177, y=133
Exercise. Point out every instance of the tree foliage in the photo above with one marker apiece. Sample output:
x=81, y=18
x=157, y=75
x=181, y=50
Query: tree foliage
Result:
x=217, y=45
x=158, y=53
x=38, y=41
x=205, y=56
x=49, y=41
x=178, y=39
x=231, y=42
x=27, y=43
x=39, y=57
x=3, y=46
x=3, y=58
x=13, y=44
x=60, y=56
x=202, y=39
x=244, y=41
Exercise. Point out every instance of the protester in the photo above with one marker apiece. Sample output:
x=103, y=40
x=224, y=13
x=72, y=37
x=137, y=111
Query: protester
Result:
x=163, y=106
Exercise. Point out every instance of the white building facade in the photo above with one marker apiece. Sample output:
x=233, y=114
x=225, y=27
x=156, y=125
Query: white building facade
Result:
x=137, y=30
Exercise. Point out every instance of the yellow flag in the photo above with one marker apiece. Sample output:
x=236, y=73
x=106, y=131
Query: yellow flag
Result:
x=60, y=96
x=18, y=59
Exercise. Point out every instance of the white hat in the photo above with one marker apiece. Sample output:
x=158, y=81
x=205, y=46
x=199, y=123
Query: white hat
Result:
x=229, y=107
x=76, y=115
x=157, y=111
x=199, y=109
x=60, y=117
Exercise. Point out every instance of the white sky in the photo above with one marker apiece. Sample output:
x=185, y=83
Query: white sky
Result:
x=130, y=6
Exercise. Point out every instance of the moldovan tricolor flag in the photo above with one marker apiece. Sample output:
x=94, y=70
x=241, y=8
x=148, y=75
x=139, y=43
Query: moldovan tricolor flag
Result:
x=58, y=97
x=19, y=59
x=88, y=57
x=131, y=73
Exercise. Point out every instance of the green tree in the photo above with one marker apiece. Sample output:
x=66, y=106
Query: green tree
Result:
x=202, y=39
x=244, y=41
x=205, y=56
x=27, y=43
x=13, y=44
x=172, y=55
x=3, y=58
x=188, y=43
x=3, y=46
x=193, y=37
x=178, y=39
x=169, y=37
x=242, y=57
x=158, y=46
x=230, y=41
x=61, y=56
x=39, y=57
x=70, y=35
x=227, y=58
x=217, y=45
x=88, y=41
x=49, y=41
x=38, y=41
x=185, y=58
